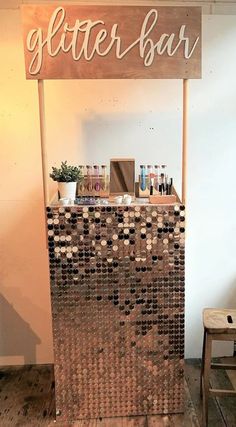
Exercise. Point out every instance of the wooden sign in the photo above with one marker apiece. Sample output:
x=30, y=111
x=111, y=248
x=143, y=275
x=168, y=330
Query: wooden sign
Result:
x=111, y=42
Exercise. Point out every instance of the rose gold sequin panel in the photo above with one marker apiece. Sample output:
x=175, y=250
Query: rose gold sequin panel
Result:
x=117, y=292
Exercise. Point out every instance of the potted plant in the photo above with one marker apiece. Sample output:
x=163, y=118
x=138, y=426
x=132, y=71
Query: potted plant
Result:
x=67, y=177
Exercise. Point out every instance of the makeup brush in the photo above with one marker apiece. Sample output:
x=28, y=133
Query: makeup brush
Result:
x=152, y=176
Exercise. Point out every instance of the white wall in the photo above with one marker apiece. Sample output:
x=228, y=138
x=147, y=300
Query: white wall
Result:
x=211, y=240
x=91, y=121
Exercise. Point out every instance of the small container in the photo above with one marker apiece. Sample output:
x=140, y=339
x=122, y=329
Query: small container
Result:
x=64, y=201
x=103, y=202
x=127, y=199
x=118, y=200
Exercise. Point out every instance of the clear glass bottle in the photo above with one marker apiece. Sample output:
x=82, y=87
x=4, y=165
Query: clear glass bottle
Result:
x=97, y=185
x=157, y=176
x=143, y=177
x=89, y=185
x=81, y=183
x=163, y=179
x=164, y=170
x=149, y=172
x=104, y=177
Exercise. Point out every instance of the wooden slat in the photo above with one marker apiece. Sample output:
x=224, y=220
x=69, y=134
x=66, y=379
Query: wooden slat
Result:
x=227, y=405
x=223, y=393
x=8, y=379
x=43, y=142
x=223, y=366
x=27, y=399
x=223, y=337
x=26, y=394
x=192, y=375
x=165, y=420
x=190, y=416
x=126, y=61
x=231, y=374
x=184, y=140
x=216, y=321
x=139, y=421
x=122, y=422
x=80, y=423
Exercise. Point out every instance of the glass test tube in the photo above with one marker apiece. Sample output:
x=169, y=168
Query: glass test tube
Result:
x=97, y=179
x=143, y=177
x=104, y=177
x=157, y=173
x=81, y=183
x=149, y=172
x=163, y=179
x=89, y=179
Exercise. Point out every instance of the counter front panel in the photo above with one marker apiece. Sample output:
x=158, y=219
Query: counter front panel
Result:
x=117, y=293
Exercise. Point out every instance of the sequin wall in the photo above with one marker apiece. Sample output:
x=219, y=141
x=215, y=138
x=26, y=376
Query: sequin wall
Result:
x=117, y=292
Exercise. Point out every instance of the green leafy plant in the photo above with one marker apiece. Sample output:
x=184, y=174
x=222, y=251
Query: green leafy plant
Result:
x=66, y=173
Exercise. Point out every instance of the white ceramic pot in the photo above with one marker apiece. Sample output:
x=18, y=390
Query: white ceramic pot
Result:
x=67, y=190
x=118, y=200
x=127, y=199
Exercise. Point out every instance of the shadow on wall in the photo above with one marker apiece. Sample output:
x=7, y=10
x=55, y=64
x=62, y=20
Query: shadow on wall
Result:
x=25, y=314
x=16, y=336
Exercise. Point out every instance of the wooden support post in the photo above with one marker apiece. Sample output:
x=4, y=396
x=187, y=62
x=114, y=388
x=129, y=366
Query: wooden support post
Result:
x=184, y=139
x=43, y=142
x=206, y=378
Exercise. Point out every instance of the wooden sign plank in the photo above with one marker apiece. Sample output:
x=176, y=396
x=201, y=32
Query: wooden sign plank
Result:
x=111, y=42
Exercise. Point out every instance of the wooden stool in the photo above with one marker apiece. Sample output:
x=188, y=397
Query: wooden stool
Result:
x=219, y=325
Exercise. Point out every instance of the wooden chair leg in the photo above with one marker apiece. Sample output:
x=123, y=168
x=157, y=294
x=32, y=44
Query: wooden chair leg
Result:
x=206, y=377
x=202, y=362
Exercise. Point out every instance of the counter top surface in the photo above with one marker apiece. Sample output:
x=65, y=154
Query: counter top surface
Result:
x=109, y=203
